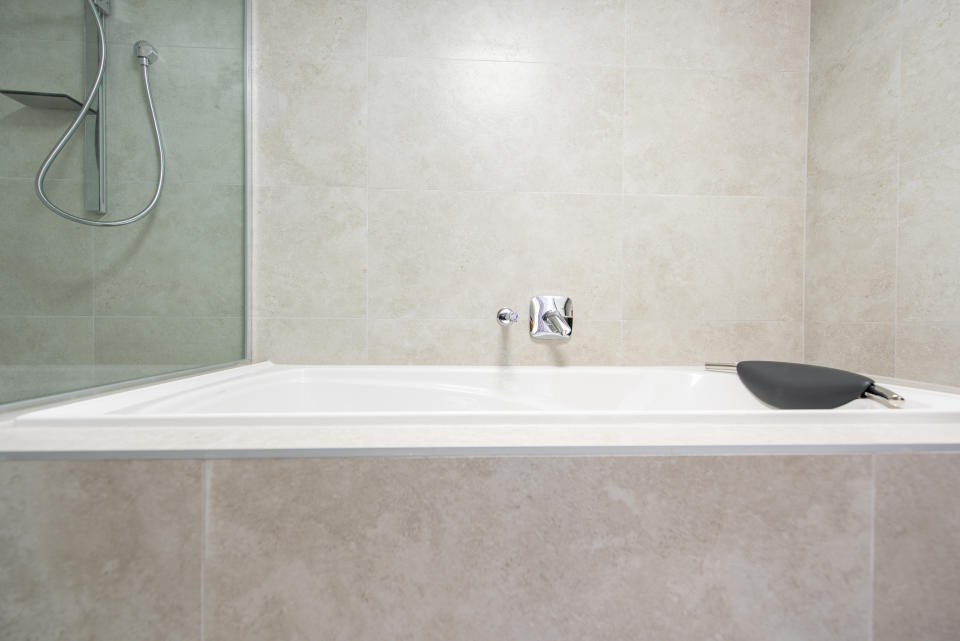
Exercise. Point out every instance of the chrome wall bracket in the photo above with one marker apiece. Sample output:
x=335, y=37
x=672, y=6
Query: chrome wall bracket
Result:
x=551, y=317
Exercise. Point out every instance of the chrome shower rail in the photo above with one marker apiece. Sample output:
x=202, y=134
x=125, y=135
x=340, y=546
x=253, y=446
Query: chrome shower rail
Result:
x=146, y=55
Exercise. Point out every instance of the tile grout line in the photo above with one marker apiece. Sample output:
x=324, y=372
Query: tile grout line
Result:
x=896, y=243
x=117, y=43
x=873, y=544
x=583, y=65
x=534, y=192
x=247, y=189
x=204, y=502
x=621, y=351
x=806, y=193
x=348, y=58
x=93, y=297
x=526, y=192
x=366, y=187
x=672, y=321
x=252, y=190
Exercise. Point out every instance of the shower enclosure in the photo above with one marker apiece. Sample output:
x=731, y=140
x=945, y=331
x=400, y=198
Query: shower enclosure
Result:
x=85, y=305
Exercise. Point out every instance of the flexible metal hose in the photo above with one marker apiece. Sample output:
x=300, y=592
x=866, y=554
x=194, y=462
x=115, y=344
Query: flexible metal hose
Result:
x=42, y=174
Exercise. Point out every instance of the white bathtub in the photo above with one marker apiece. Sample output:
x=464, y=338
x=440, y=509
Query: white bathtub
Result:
x=267, y=409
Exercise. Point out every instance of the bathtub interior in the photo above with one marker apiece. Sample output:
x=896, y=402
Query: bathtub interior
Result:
x=277, y=394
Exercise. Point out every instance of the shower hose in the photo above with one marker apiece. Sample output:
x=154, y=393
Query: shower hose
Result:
x=65, y=138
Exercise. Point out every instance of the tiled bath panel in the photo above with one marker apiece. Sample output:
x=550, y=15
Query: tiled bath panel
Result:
x=539, y=548
x=100, y=550
x=819, y=547
x=917, y=550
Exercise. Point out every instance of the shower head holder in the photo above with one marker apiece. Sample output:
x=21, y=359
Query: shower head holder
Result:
x=145, y=52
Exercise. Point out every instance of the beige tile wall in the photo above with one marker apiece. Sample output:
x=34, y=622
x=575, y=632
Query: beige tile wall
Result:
x=883, y=210
x=419, y=165
x=80, y=306
x=831, y=548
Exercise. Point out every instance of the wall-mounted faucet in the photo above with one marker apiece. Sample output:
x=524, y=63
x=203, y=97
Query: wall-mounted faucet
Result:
x=557, y=323
x=551, y=317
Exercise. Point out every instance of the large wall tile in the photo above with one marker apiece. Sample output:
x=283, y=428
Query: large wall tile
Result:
x=318, y=341
x=695, y=132
x=185, y=253
x=929, y=268
x=929, y=352
x=317, y=29
x=42, y=355
x=22, y=382
x=525, y=30
x=745, y=548
x=717, y=35
x=931, y=81
x=699, y=342
x=860, y=347
x=712, y=258
x=465, y=254
x=28, y=64
x=46, y=340
x=27, y=135
x=43, y=20
x=494, y=125
x=310, y=247
x=851, y=252
x=100, y=550
x=853, y=117
x=198, y=94
x=917, y=554
x=852, y=32
x=441, y=342
x=183, y=23
x=310, y=120
x=46, y=264
x=175, y=343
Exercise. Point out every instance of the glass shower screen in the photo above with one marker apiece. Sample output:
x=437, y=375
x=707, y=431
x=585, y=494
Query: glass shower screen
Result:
x=84, y=306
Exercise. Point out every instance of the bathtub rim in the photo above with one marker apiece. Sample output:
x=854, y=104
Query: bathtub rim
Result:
x=108, y=408
x=472, y=441
x=765, y=435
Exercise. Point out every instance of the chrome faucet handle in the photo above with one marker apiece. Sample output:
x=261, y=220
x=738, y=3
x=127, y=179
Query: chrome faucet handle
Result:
x=507, y=316
x=551, y=317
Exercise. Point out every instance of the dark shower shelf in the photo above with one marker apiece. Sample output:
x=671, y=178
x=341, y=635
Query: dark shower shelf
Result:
x=44, y=100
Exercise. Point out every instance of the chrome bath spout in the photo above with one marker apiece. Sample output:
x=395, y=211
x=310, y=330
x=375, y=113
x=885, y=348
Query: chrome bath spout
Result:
x=557, y=322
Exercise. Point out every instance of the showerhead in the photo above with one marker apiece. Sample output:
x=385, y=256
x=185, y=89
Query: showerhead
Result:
x=145, y=52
